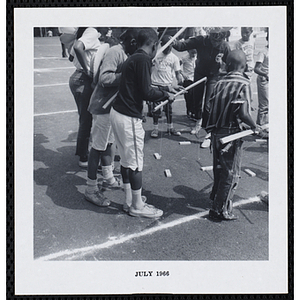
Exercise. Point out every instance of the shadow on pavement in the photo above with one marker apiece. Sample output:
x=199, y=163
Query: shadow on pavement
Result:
x=61, y=175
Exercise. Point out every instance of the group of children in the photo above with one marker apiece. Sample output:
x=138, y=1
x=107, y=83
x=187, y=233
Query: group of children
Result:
x=113, y=79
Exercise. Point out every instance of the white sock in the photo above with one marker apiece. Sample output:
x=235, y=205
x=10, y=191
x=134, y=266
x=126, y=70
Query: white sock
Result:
x=137, y=201
x=91, y=185
x=170, y=126
x=108, y=175
x=128, y=195
x=155, y=126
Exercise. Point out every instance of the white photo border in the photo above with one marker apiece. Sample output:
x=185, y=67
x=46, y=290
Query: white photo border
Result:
x=90, y=278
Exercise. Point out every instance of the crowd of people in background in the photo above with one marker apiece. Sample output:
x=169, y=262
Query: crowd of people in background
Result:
x=120, y=69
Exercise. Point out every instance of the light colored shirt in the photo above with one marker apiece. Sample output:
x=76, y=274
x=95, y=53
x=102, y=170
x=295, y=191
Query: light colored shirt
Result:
x=109, y=79
x=165, y=66
x=263, y=58
x=248, y=49
x=188, y=66
x=90, y=40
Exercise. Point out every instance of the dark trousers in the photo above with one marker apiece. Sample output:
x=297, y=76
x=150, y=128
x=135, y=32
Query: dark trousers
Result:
x=188, y=97
x=226, y=169
x=202, y=92
x=80, y=85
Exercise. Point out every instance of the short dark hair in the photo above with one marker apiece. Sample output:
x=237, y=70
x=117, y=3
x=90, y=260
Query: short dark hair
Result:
x=246, y=29
x=146, y=36
x=129, y=34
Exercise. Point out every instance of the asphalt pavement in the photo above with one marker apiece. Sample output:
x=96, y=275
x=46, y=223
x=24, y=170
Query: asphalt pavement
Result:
x=67, y=227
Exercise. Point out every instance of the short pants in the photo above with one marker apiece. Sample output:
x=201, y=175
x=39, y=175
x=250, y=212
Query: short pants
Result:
x=129, y=136
x=102, y=133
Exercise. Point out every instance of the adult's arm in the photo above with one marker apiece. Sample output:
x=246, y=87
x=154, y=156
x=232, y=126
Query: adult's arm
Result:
x=191, y=43
x=79, y=50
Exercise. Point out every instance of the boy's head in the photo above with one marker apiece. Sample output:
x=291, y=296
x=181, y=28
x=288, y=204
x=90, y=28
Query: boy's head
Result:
x=129, y=40
x=164, y=40
x=192, y=53
x=236, y=61
x=147, y=39
x=246, y=32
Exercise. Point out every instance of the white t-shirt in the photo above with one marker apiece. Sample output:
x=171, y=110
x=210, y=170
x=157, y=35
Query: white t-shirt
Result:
x=188, y=66
x=90, y=40
x=248, y=49
x=263, y=58
x=165, y=66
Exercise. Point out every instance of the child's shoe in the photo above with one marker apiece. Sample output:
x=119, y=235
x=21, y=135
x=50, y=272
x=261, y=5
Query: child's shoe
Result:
x=114, y=186
x=154, y=133
x=172, y=131
x=97, y=198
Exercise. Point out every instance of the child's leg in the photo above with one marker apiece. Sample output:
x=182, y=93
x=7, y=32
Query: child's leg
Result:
x=92, y=193
x=109, y=181
x=135, y=178
x=126, y=186
x=155, y=115
x=230, y=162
x=93, y=162
x=263, y=100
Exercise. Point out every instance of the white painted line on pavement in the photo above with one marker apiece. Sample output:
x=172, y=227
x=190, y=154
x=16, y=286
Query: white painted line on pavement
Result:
x=49, y=85
x=51, y=57
x=43, y=70
x=54, y=113
x=75, y=253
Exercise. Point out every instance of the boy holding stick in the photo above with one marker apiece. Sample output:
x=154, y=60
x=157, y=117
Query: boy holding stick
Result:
x=229, y=105
x=126, y=120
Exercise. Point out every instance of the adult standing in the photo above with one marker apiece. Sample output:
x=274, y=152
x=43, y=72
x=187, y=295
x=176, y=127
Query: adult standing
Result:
x=212, y=52
x=81, y=87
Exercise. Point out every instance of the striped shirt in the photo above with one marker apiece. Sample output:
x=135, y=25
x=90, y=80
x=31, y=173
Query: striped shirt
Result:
x=228, y=95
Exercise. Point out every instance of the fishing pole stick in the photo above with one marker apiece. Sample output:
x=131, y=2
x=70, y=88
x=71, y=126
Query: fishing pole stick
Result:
x=160, y=50
x=181, y=92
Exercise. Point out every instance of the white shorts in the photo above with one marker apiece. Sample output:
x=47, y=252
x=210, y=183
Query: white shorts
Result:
x=102, y=133
x=129, y=135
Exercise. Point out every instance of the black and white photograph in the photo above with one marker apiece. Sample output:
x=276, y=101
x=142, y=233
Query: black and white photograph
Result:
x=148, y=157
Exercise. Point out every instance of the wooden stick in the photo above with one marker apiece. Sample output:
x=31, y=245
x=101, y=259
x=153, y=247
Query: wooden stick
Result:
x=239, y=135
x=160, y=50
x=181, y=92
x=162, y=35
x=111, y=99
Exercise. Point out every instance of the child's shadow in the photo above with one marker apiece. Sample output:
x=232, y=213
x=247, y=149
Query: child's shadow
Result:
x=62, y=177
x=192, y=202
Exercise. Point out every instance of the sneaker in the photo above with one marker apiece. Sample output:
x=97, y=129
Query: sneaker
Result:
x=114, y=186
x=206, y=143
x=154, y=133
x=197, y=128
x=148, y=211
x=83, y=164
x=226, y=216
x=96, y=198
x=172, y=131
x=126, y=207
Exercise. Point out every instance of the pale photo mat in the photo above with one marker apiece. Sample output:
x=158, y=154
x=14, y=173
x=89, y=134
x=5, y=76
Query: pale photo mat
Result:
x=33, y=277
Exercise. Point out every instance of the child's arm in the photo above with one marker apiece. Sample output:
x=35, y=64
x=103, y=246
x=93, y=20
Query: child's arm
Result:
x=149, y=93
x=258, y=70
x=245, y=117
x=110, y=69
